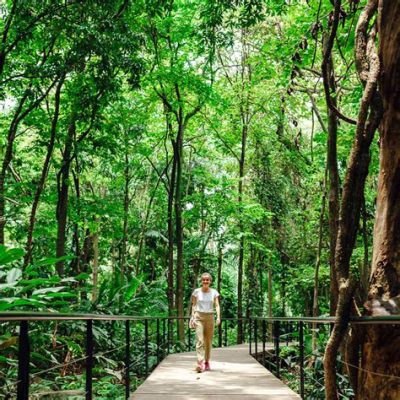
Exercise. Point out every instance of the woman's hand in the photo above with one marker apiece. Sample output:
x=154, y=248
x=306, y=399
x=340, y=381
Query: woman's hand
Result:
x=218, y=321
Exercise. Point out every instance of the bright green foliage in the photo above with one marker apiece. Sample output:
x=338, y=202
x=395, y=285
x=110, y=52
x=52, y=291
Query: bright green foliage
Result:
x=126, y=70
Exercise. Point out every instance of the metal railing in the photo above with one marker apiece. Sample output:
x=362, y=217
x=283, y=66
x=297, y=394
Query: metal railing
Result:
x=259, y=331
x=273, y=330
x=164, y=332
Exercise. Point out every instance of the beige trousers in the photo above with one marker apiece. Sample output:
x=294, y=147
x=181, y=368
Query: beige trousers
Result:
x=204, y=335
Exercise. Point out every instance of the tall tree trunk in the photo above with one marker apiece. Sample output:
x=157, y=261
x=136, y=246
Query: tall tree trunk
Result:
x=378, y=354
x=368, y=120
x=178, y=146
x=170, y=214
x=62, y=202
x=144, y=227
x=315, y=312
x=76, y=246
x=329, y=76
x=43, y=176
x=319, y=250
x=240, y=332
x=124, y=245
x=95, y=266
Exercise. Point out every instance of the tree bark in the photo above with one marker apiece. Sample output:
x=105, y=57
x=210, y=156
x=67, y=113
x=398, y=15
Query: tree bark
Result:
x=368, y=120
x=62, y=202
x=242, y=160
x=315, y=311
x=378, y=355
x=170, y=215
x=95, y=267
x=330, y=84
x=178, y=150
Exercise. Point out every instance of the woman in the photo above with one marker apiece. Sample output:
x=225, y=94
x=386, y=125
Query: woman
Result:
x=204, y=300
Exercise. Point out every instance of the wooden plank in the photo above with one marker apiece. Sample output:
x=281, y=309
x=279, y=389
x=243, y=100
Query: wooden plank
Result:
x=234, y=373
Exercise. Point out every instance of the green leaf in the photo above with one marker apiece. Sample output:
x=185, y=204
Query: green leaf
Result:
x=48, y=290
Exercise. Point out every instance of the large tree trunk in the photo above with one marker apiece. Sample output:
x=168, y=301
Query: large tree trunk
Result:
x=368, y=120
x=379, y=353
x=62, y=203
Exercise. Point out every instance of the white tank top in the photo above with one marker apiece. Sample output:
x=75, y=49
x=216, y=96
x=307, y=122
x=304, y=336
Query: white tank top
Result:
x=205, y=300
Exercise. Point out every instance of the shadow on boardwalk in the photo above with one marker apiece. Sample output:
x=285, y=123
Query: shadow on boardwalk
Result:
x=235, y=374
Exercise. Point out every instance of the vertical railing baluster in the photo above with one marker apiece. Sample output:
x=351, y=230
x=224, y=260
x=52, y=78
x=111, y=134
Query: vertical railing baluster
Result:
x=23, y=362
x=89, y=359
x=287, y=333
x=177, y=331
x=250, y=338
x=277, y=333
x=168, y=334
x=127, y=359
x=226, y=333
x=220, y=335
x=255, y=336
x=301, y=344
x=164, y=342
x=146, y=345
x=158, y=340
x=264, y=330
x=190, y=336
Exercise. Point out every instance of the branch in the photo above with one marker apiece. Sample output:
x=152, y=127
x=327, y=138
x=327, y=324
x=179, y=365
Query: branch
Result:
x=327, y=53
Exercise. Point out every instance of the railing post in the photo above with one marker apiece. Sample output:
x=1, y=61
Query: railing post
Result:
x=190, y=336
x=255, y=336
x=146, y=345
x=301, y=344
x=250, y=338
x=264, y=329
x=168, y=334
x=89, y=358
x=23, y=362
x=226, y=333
x=164, y=336
x=220, y=334
x=158, y=340
x=177, y=338
x=127, y=359
x=276, y=337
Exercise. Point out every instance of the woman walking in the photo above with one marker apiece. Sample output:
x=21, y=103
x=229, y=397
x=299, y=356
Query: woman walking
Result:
x=204, y=300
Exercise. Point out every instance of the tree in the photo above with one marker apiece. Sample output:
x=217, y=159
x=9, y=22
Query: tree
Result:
x=379, y=341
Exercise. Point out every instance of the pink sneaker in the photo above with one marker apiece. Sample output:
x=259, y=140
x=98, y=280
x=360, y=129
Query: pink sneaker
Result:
x=207, y=366
x=200, y=366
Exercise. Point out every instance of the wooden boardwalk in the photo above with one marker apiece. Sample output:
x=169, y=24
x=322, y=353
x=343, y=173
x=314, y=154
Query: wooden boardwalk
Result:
x=235, y=375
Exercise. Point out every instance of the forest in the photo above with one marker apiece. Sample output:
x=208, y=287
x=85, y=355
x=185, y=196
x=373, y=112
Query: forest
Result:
x=144, y=142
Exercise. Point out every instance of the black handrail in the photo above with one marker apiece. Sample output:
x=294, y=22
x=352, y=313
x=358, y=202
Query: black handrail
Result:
x=167, y=335
x=284, y=323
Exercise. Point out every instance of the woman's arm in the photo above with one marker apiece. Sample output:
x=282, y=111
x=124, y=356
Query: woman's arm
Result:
x=194, y=302
x=218, y=309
